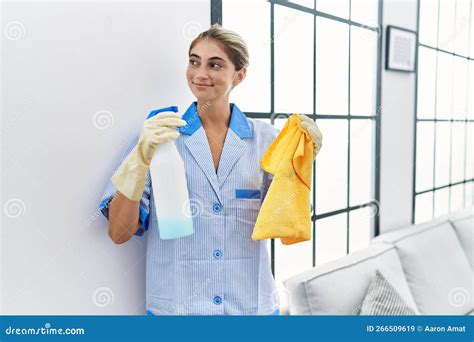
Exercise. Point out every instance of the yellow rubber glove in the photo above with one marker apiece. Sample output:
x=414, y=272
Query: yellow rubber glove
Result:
x=310, y=126
x=130, y=177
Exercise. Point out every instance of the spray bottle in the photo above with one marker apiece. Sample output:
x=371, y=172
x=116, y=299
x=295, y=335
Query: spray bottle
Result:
x=170, y=190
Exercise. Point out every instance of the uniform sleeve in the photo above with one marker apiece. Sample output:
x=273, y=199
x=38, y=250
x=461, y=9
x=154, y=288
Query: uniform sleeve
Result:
x=110, y=191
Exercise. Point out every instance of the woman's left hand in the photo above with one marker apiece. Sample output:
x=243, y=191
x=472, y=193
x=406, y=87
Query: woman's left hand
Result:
x=310, y=126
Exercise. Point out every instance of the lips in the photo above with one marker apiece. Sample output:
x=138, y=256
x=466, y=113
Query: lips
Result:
x=202, y=85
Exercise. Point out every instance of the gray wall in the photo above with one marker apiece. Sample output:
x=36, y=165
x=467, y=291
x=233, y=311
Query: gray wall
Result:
x=78, y=81
x=397, y=127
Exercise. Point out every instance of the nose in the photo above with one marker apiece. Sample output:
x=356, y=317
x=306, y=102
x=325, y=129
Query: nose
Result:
x=201, y=73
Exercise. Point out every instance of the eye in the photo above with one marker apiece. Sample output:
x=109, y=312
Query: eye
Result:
x=215, y=66
x=192, y=62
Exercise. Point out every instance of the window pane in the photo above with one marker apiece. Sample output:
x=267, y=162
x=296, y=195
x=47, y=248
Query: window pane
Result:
x=457, y=198
x=442, y=153
x=339, y=8
x=292, y=259
x=331, y=238
x=469, y=194
x=441, y=202
x=446, y=25
x=258, y=74
x=444, y=85
x=471, y=89
x=469, y=151
x=428, y=22
x=331, y=167
x=332, y=58
x=363, y=71
x=461, y=35
x=461, y=74
x=471, y=35
x=423, y=207
x=457, y=152
x=362, y=163
x=280, y=120
x=293, y=61
x=305, y=3
x=365, y=12
x=361, y=227
x=426, y=83
x=424, y=155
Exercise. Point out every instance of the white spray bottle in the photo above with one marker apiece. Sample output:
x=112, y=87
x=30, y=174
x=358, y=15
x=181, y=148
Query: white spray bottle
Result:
x=170, y=190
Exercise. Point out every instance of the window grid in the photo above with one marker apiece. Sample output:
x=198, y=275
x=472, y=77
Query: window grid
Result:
x=217, y=17
x=437, y=120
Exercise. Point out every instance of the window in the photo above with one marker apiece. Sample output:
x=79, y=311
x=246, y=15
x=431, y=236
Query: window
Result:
x=319, y=58
x=443, y=173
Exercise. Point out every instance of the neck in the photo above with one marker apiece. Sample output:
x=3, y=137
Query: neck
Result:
x=214, y=113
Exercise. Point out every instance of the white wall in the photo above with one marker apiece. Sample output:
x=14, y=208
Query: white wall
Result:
x=397, y=127
x=78, y=79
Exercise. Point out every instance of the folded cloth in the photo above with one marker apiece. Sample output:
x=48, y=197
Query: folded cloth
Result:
x=285, y=211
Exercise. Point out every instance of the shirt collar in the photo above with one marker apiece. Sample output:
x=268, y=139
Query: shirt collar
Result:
x=238, y=121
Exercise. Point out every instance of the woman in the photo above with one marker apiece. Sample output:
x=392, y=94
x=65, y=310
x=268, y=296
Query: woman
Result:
x=219, y=269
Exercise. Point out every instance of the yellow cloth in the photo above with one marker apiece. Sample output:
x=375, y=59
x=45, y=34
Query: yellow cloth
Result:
x=285, y=212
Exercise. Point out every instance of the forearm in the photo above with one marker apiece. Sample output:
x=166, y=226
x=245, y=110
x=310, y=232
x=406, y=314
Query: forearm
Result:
x=123, y=218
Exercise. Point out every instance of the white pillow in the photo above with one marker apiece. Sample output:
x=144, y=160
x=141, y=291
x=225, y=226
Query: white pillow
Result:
x=382, y=299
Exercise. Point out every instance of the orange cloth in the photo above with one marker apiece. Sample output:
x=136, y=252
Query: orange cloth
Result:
x=285, y=212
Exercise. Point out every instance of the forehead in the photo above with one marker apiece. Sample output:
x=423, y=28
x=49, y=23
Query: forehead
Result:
x=207, y=48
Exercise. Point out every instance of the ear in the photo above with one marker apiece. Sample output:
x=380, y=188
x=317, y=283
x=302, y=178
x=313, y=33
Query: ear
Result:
x=243, y=73
x=240, y=76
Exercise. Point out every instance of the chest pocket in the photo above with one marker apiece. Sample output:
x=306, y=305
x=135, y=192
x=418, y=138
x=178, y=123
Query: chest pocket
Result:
x=248, y=194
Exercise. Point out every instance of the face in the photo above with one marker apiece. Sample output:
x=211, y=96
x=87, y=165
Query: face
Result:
x=210, y=73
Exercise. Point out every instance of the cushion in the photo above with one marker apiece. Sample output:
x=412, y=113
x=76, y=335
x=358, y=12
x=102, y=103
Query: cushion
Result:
x=382, y=299
x=463, y=223
x=338, y=287
x=435, y=265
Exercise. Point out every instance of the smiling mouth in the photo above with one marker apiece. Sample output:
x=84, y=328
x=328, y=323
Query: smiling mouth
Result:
x=202, y=85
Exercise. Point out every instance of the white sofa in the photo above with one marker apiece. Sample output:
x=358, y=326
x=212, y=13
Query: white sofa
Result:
x=429, y=265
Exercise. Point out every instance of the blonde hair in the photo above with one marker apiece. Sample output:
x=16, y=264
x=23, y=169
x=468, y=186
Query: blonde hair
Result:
x=232, y=43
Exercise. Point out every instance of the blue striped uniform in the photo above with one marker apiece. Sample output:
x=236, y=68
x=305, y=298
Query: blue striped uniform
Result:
x=218, y=270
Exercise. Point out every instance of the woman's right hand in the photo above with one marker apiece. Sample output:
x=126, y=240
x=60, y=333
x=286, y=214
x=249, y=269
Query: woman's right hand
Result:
x=130, y=177
x=157, y=130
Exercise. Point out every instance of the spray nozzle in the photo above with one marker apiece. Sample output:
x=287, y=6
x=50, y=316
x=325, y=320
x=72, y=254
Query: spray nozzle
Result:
x=167, y=109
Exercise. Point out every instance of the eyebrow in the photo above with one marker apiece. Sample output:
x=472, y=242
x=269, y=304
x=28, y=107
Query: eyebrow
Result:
x=212, y=58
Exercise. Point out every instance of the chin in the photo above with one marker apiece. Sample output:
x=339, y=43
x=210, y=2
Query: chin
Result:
x=203, y=99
